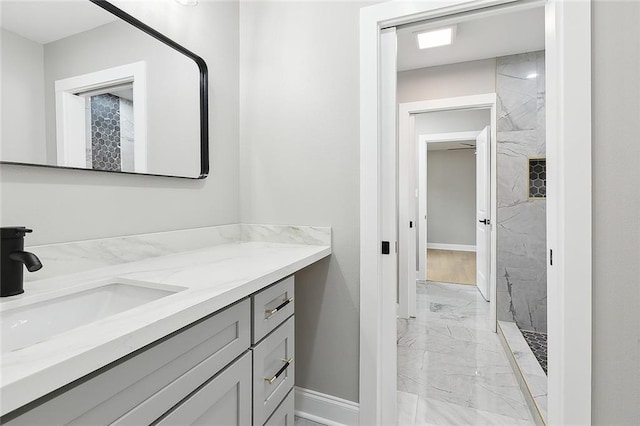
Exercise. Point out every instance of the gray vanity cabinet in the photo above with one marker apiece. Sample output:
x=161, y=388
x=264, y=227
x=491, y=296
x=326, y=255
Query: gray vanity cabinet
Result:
x=224, y=400
x=271, y=307
x=144, y=385
x=283, y=416
x=273, y=371
x=208, y=373
x=273, y=349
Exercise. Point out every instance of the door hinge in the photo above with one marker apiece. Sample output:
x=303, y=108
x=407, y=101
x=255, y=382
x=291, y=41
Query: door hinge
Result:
x=410, y=224
x=551, y=257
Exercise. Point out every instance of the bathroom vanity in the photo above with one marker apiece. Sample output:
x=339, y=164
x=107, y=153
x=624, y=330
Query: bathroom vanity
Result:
x=211, y=340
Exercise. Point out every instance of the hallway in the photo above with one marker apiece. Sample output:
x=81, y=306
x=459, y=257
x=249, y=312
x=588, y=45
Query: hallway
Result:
x=452, y=370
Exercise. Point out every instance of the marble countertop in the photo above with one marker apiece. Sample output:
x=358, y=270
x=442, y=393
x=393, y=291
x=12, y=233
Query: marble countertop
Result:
x=213, y=278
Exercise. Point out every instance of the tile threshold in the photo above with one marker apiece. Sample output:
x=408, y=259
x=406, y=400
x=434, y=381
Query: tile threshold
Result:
x=530, y=375
x=537, y=341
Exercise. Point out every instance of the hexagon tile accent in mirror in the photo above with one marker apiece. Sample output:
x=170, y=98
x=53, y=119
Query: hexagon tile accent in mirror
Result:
x=538, y=178
x=105, y=132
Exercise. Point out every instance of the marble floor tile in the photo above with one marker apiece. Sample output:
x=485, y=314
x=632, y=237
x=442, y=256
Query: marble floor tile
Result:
x=453, y=363
x=445, y=338
x=434, y=412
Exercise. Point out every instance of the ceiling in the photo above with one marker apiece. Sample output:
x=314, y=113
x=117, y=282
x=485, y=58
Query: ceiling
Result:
x=477, y=38
x=47, y=21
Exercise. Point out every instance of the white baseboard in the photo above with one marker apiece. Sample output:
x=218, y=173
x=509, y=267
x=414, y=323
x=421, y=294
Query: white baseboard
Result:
x=454, y=247
x=326, y=409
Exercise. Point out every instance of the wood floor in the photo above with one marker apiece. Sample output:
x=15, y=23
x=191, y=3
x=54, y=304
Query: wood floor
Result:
x=450, y=266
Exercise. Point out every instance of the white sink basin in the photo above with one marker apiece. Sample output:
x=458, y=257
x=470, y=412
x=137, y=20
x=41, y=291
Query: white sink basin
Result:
x=39, y=318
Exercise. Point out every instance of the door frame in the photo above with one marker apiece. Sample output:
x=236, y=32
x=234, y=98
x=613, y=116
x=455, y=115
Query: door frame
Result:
x=569, y=195
x=407, y=155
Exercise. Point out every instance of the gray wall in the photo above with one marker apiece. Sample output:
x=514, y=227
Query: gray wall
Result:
x=616, y=217
x=65, y=205
x=451, y=197
x=521, y=229
x=452, y=121
x=299, y=165
x=22, y=99
x=446, y=81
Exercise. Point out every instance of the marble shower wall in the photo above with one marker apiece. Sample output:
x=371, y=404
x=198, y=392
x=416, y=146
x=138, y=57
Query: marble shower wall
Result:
x=521, y=261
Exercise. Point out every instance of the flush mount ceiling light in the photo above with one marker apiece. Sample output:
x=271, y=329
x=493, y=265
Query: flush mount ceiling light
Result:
x=188, y=2
x=532, y=75
x=437, y=37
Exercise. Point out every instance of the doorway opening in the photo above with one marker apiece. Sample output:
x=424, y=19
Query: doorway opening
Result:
x=477, y=203
x=567, y=35
x=448, y=191
x=451, y=129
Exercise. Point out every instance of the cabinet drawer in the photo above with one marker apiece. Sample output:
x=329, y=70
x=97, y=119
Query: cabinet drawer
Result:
x=273, y=371
x=271, y=307
x=224, y=400
x=283, y=416
x=143, y=386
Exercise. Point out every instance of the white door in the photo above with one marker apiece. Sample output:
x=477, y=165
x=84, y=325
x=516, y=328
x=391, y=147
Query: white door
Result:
x=407, y=199
x=422, y=209
x=389, y=223
x=483, y=212
x=71, y=130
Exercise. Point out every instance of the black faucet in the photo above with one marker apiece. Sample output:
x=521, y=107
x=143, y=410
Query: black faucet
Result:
x=13, y=257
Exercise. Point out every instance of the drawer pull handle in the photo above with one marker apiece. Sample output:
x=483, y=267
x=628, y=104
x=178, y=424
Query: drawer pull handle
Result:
x=287, y=363
x=270, y=312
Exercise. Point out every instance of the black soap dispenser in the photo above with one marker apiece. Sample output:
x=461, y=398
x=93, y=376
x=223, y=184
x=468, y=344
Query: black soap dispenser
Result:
x=13, y=257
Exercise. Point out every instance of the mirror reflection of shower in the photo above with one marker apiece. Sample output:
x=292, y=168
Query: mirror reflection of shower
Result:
x=110, y=135
x=100, y=119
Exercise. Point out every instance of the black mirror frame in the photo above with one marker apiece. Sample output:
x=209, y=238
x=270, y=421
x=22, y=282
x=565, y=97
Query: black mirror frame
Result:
x=202, y=67
x=204, y=95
